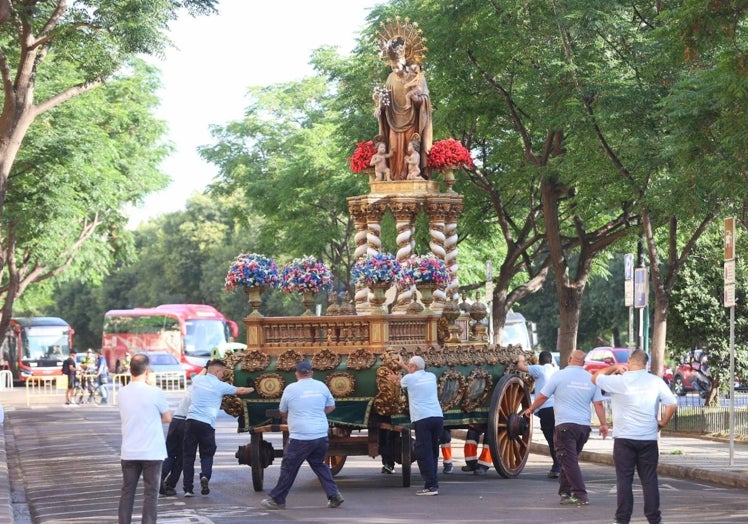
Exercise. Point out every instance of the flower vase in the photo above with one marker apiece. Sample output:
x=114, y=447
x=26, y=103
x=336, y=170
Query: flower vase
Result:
x=449, y=179
x=255, y=299
x=427, y=297
x=377, y=301
x=307, y=300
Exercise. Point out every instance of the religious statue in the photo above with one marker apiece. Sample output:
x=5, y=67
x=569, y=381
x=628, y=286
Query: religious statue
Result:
x=413, y=159
x=406, y=108
x=379, y=162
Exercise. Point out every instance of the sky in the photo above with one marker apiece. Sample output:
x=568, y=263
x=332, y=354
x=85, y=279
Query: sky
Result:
x=216, y=58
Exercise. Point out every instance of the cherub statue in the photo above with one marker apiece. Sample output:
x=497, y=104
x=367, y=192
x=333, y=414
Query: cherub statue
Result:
x=413, y=160
x=379, y=161
x=414, y=85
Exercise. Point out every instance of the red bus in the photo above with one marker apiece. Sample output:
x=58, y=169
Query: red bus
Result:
x=188, y=331
x=36, y=346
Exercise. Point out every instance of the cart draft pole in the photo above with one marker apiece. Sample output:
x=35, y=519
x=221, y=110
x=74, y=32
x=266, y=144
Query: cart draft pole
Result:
x=729, y=299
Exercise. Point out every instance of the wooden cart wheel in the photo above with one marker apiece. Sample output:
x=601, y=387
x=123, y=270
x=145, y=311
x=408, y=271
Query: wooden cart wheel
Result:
x=406, y=443
x=255, y=461
x=509, y=433
x=335, y=462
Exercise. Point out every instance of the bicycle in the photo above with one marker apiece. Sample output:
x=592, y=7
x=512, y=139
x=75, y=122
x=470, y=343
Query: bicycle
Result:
x=87, y=390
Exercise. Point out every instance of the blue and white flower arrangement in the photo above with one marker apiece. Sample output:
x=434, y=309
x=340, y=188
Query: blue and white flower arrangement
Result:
x=376, y=268
x=426, y=269
x=252, y=270
x=305, y=274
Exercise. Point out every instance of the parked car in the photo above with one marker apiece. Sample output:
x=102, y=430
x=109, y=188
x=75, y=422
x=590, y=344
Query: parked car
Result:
x=163, y=362
x=601, y=357
x=692, y=374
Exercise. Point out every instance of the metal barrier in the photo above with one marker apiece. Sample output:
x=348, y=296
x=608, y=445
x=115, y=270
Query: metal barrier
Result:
x=171, y=381
x=45, y=387
x=6, y=379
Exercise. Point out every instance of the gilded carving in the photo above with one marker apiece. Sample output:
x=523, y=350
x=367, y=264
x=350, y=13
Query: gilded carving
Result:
x=477, y=389
x=270, y=385
x=341, y=384
x=360, y=359
x=255, y=360
x=232, y=405
x=451, y=389
x=288, y=359
x=325, y=360
x=389, y=399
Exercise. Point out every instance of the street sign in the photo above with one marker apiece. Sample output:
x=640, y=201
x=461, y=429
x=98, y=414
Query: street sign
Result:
x=628, y=266
x=729, y=271
x=641, y=288
x=628, y=293
x=729, y=295
x=729, y=238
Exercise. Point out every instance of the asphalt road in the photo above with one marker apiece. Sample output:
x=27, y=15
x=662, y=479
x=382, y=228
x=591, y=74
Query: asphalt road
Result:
x=65, y=468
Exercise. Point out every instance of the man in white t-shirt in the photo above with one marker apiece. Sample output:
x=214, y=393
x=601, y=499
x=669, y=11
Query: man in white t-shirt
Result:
x=637, y=396
x=143, y=410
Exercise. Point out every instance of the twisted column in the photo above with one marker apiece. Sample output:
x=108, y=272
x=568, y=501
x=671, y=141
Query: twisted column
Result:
x=436, y=211
x=358, y=212
x=450, y=247
x=374, y=213
x=404, y=211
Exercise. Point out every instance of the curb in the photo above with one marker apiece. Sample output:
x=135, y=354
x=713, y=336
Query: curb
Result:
x=723, y=478
x=6, y=506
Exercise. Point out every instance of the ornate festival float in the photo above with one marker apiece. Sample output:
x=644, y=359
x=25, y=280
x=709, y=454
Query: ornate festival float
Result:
x=355, y=346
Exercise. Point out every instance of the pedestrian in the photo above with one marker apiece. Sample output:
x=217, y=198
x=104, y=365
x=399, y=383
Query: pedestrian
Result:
x=143, y=409
x=478, y=465
x=426, y=416
x=199, y=427
x=102, y=377
x=305, y=404
x=573, y=391
x=541, y=372
x=171, y=470
x=637, y=397
x=70, y=370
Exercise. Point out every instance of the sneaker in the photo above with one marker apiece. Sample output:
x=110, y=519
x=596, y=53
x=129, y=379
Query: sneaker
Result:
x=188, y=494
x=553, y=474
x=204, y=489
x=427, y=492
x=481, y=470
x=170, y=492
x=335, y=501
x=388, y=470
x=468, y=468
x=447, y=469
x=271, y=504
x=574, y=501
x=162, y=488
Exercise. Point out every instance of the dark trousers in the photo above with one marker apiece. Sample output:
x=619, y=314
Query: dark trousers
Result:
x=202, y=436
x=569, y=440
x=643, y=456
x=547, y=425
x=172, y=468
x=131, y=471
x=387, y=440
x=428, y=431
x=296, y=452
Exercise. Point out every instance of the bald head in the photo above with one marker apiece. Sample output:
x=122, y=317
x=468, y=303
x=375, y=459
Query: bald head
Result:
x=576, y=358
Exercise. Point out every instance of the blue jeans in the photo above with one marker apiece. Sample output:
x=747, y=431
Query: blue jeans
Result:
x=428, y=432
x=296, y=452
x=202, y=436
x=569, y=440
x=131, y=471
x=643, y=456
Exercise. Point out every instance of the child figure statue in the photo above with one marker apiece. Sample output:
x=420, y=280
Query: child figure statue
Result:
x=379, y=161
x=413, y=159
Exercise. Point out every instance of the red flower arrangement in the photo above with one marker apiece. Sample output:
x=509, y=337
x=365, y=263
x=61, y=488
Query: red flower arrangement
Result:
x=449, y=153
x=361, y=158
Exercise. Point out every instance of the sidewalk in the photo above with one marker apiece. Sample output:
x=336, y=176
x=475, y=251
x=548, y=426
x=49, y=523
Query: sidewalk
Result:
x=700, y=460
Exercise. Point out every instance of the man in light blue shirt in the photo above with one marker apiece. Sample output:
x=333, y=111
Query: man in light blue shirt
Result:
x=199, y=427
x=305, y=404
x=541, y=372
x=637, y=396
x=573, y=392
x=427, y=418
